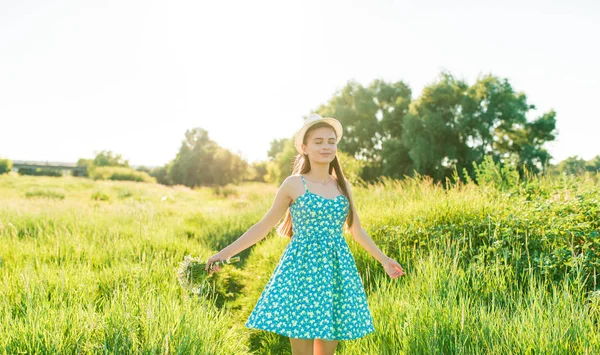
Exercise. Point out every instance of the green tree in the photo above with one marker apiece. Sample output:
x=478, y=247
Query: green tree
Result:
x=448, y=128
x=353, y=168
x=453, y=125
x=226, y=168
x=281, y=167
x=393, y=101
x=85, y=162
x=433, y=131
x=5, y=165
x=355, y=107
x=144, y=169
x=161, y=174
x=108, y=158
x=200, y=161
x=190, y=166
x=573, y=165
x=276, y=146
x=593, y=164
x=496, y=123
x=258, y=171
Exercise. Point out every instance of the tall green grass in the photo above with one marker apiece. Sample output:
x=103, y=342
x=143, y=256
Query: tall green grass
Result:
x=490, y=269
x=81, y=275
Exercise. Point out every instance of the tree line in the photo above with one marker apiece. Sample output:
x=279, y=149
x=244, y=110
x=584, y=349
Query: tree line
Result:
x=449, y=127
x=448, y=130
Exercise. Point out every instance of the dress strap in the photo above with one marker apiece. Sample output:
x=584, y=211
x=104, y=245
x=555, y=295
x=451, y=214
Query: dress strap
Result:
x=304, y=182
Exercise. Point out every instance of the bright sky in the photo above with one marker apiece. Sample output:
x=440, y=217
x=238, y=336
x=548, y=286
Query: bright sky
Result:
x=131, y=76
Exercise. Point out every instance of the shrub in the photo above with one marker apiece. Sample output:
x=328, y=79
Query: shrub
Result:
x=224, y=191
x=45, y=193
x=40, y=172
x=100, y=196
x=120, y=173
x=124, y=192
x=5, y=166
x=501, y=176
x=161, y=174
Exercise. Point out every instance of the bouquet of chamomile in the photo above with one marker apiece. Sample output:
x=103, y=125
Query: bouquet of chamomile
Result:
x=192, y=274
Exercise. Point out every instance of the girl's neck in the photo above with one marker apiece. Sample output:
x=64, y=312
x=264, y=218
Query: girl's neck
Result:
x=319, y=176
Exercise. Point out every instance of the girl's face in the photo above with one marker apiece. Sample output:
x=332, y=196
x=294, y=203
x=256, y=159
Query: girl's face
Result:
x=321, y=145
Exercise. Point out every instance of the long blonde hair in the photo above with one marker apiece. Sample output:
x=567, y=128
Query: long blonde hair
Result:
x=302, y=166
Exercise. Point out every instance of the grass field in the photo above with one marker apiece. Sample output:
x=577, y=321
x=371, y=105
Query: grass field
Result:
x=88, y=267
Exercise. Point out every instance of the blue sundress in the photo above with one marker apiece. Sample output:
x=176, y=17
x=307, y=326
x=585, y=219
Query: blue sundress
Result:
x=315, y=290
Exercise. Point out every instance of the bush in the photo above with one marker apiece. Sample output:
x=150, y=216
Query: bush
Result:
x=353, y=168
x=40, y=172
x=161, y=174
x=502, y=176
x=87, y=164
x=124, y=193
x=120, y=173
x=224, y=191
x=100, y=196
x=46, y=194
x=5, y=166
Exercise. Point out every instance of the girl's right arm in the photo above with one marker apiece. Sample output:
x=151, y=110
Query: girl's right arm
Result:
x=261, y=229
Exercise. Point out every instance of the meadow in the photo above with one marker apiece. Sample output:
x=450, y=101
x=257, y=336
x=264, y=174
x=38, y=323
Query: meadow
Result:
x=88, y=267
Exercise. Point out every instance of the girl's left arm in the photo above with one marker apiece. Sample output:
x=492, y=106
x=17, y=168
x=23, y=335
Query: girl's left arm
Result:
x=391, y=266
x=360, y=235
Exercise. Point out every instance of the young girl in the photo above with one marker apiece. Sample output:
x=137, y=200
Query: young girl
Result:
x=315, y=295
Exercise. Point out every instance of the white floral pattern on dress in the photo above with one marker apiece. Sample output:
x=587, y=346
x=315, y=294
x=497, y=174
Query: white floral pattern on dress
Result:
x=315, y=290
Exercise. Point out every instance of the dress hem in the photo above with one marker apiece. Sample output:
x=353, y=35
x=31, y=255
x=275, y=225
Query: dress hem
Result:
x=288, y=334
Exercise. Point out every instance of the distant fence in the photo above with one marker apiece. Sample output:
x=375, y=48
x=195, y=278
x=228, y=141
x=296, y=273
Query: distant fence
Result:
x=30, y=166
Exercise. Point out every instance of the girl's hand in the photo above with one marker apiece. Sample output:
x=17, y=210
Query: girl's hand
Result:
x=393, y=269
x=210, y=267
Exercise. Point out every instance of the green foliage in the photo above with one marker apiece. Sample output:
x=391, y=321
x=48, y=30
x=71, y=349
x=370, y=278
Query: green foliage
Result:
x=273, y=174
x=396, y=161
x=276, y=146
x=161, y=174
x=193, y=276
x=201, y=161
x=224, y=191
x=108, y=158
x=448, y=128
x=45, y=193
x=5, y=166
x=258, y=171
x=502, y=176
x=451, y=126
x=100, y=196
x=85, y=162
x=576, y=166
x=593, y=165
x=124, y=193
x=120, y=173
x=432, y=128
x=100, y=167
x=487, y=266
x=83, y=277
x=281, y=167
x=352, y=167
x=40, y=172
x=88, y=164
x=143, y=168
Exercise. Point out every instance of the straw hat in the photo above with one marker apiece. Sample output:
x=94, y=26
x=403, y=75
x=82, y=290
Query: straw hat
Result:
x=311, y=120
